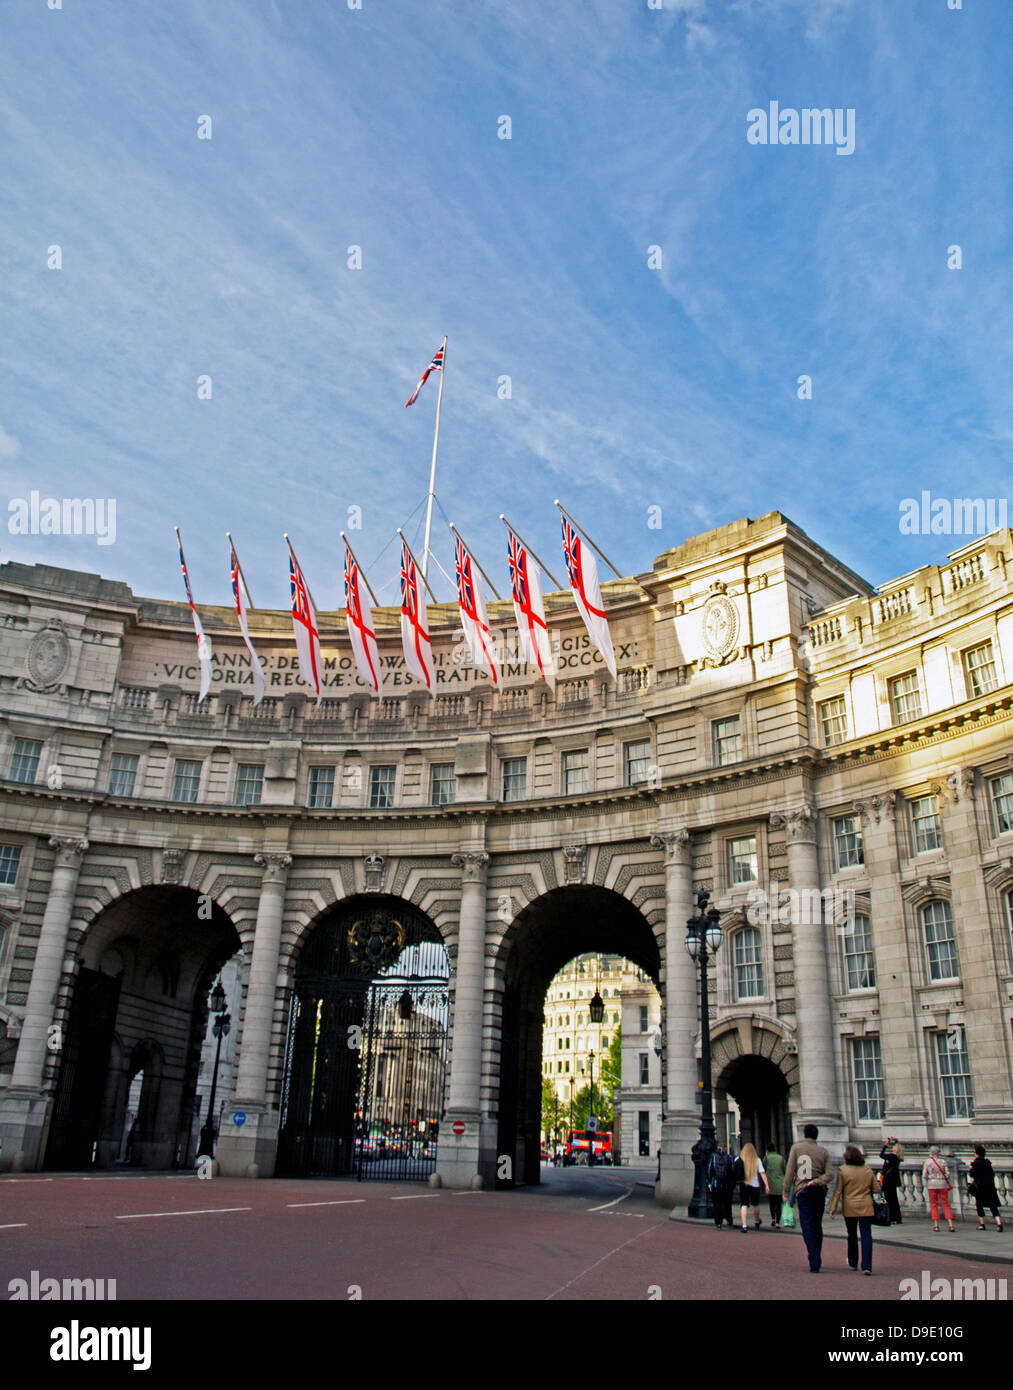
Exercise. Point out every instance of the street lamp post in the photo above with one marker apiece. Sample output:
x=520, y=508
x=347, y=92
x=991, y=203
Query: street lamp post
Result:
x=590, y=1111
x=703, y=939
x=220, y=1029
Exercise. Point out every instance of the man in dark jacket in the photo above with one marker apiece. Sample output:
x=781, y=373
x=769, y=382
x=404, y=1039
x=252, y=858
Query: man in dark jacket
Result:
x=811, y=1171
x=719, y=1179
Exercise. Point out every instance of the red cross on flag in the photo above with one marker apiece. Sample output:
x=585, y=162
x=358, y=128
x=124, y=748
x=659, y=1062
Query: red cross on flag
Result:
x=203, y=645
x=529, y=610
x=304, y=623
x=360, y=627
x=418, y=652
x=473, y=619
x=583, y=573
x=242, y=601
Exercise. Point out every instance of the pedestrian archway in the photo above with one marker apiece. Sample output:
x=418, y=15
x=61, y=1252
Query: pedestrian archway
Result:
x=758, y=1082
x=554, y=929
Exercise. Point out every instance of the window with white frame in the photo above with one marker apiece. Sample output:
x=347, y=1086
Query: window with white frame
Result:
x=748, y=963
x=979, y=669
x=10, y=859
x=643, y=1018
x=442, y=784
x=926, y=830
x=856, y=946
x=940, y=946
x=122, y=774
x=867, y=1070
x=833, y=720
x=905, y=697
x=575, y=771
x=742, y=860
x=185, y=780
x=321, y=791
x=645, y=1071
x=954, y=1071
x=726, y=737
x=24, y=760
x=848, y=847
x=515, y=779
x=249, y=784
x=381, y=787
x=637, y=761
x=1000, y=794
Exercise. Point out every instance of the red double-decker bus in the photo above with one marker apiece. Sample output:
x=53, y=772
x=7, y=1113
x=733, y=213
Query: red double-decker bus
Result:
x=579, y=1141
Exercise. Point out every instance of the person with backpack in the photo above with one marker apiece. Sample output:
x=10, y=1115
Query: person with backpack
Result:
x=719, y=1179
x=773, y=1162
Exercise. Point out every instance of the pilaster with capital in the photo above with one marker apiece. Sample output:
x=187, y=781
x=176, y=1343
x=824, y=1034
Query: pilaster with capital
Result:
x=30, y=1062
x=255, y=1041
x=681, y=1007
x=469, y=991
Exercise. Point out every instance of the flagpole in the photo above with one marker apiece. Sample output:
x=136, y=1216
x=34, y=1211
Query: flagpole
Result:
x=425, y=581
x=239, y=567
x=299, y=568
x=432, y=470
x=591, y=543
x=186, y=574
x=468, y=548
x=529, y=550
x=376, y=601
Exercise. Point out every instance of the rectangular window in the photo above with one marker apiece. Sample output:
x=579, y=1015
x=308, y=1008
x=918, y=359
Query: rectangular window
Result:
x=515, y=779
x=905, y=697
x=867, y=1069
x=833, y=720
x=637, y=761
x=575, y=772
x=24, y=760
x=10, y=858
x=321, y=788
x=979, y=670
x=643, y=1018
x=645, y=1073
x=122, y=774
x=742, y=860
x=748, y=964
x=926, y=830
x=381, y=788
x=940, y=946
x=185, y=780
x=848, y=847
x=1000, y=790
x=727, y=740
x=954, y=1075
x=644, y=1133
x=443, y=784
x=859, y=967
x=249, y=784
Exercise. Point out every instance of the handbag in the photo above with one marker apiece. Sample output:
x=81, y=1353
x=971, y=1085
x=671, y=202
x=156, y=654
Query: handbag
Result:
x=788, y=1217
x=972, y=1188
x=880, y=1211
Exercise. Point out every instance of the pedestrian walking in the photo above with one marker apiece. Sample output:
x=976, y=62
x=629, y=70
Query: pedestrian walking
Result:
x=892, y=1154
x=773, y=1162
x=748, y=1173
x=719, y=1179
x=982, y=1187
x=811, y=1173
x=856, y=1182
x=936, y=1177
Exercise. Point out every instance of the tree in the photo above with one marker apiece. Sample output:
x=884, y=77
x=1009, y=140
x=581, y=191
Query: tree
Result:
x=612, y=1064
x=552, y=1109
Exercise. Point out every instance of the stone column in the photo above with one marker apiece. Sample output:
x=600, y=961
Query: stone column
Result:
x=816, y=1064
x=23, y=1111
x=680, y=1126
x=250, y=1149
x=468, y=1159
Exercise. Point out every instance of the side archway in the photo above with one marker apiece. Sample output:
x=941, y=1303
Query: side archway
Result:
x=755, y=1065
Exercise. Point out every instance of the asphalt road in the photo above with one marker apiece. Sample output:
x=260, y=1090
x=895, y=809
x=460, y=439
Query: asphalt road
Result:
x=580, y=1235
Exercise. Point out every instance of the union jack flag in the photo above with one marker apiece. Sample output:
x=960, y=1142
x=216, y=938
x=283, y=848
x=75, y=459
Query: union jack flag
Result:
x=414, y=637
x=436, y=365
x=360, y=627
x=203, y=645
x=304, y=623
x=473, y=617
x=583, y=575
x=242, y=599
x=529, y=610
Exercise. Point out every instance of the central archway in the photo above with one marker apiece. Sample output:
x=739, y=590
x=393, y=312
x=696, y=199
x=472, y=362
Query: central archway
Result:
x=550, y=931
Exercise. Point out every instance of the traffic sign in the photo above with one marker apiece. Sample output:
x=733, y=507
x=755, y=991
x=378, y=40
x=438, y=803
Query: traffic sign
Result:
x=592, y=1122
x=458, y=1127
x=239, y=1118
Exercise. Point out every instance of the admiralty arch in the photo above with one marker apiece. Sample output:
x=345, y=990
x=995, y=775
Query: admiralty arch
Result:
x=399, y=881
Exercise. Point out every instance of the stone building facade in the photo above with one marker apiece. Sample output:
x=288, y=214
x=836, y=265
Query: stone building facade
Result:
x=830, y=762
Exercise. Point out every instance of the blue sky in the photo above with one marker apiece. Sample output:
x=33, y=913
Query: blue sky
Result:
x=632, y=387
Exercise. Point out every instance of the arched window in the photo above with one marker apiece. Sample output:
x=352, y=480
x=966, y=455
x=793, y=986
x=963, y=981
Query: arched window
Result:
x=748, y=964
x=940, y=947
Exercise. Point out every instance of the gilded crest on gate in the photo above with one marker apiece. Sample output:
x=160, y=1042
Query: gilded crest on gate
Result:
x=375, y=943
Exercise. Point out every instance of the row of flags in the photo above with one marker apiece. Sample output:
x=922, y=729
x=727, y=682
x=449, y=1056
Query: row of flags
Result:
x=525, y=588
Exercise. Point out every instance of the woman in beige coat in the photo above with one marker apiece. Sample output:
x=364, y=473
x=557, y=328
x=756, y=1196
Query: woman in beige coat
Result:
x=856, y=1183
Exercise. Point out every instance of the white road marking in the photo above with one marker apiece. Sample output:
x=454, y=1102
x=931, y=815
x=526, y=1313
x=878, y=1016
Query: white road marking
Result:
x=11, y=1224
x=415, y=1197
x=28, y=1179
x=202, y=1211
x=614, y=1201
x=344, y=1202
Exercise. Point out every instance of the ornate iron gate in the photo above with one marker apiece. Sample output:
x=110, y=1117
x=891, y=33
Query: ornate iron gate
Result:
x=367, y=1047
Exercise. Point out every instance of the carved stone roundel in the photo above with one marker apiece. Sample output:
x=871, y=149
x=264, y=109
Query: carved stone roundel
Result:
x=719, y=625
x=48, y=656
